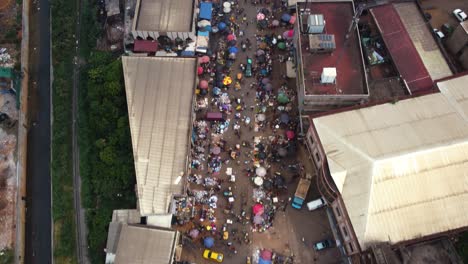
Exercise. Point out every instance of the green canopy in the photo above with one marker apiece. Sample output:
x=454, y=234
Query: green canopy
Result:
x=5, y=72
x=281, y=45
x=282, y=98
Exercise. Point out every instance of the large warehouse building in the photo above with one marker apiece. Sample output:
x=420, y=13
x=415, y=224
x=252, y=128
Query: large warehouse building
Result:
x=397, y=172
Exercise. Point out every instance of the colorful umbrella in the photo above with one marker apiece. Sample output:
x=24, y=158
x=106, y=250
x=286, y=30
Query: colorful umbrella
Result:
x=261, y=117
x=282, y=98
x=208, y=242
x=194, y=233
x=258, y=220
x=286, y=17
x=216, y=150
x=260, y=16
x=258, y=181
x=265, y=80
x=275, y=23
x=204, y=23
x=260, y=52
x=258, y=209
x=230, y=37
x=290, y=134
x=266, y=254
x=289, y=34
x=227, y=80
x=281, y=45
x=260, y=171
x=268, y=87
x=200, y=70
x=203, y=84
x=221, y=26
x=204, y=59
x=292, y=20
x=233, y=50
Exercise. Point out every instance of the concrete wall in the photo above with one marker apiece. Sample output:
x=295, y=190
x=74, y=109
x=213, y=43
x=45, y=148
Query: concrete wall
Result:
x=458, y=40
x=347, y=235
x=464, y=58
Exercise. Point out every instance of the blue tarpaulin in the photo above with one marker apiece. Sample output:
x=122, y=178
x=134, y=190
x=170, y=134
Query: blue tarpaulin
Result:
x=262, y=261
x=205, y=10
x=221, y=25
x=203, y=33
x=208, y=242
x=286, y=17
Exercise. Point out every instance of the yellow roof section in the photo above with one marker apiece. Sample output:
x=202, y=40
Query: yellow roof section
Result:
x=159, y=97
x=402, y=168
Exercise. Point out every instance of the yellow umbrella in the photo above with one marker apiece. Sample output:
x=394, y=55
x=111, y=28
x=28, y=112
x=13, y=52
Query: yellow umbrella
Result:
x=227, y=80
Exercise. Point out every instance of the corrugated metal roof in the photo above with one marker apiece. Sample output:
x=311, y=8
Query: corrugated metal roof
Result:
x=402, y=168
x=159, y=97
x=145, y=245
x=423, y=40
x=164, y=15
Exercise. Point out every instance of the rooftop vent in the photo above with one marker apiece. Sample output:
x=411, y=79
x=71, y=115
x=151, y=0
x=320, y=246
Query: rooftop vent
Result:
x=328, y=76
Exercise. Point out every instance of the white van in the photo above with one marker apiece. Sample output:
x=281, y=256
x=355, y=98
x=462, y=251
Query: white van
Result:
x=316, y=204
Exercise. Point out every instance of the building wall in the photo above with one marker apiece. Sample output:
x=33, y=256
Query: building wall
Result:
x=330, y=194
x=464, y=58
x=457, y=40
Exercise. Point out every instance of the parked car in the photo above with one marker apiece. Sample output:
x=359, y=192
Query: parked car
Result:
x=439, y=33
x=316, y=204
x=460, y=15
x=323, y=244
x=211, y=255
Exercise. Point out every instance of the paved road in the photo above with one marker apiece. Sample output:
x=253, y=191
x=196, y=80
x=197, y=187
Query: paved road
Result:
x=38, y=216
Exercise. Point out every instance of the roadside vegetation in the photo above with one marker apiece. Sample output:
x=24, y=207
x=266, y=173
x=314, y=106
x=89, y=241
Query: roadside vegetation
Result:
x=7, y=256
x=462, y=247
x=63, y=41
x=106, y=159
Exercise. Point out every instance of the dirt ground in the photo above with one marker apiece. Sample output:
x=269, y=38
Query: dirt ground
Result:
x=293, y=231
x=8, y=11
x=441, y=11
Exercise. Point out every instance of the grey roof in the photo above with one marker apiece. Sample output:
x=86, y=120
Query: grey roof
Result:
x=143, y=244
x=113, y=236
x=164, y=15
x=159, y=97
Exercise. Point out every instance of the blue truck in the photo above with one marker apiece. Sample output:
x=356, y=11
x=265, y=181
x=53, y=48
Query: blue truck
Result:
x=301, y=191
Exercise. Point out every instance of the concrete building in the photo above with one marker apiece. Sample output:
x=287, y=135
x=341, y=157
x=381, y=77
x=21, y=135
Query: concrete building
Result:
x=395, y=173
x=159, y=97
x=172, y=18
x=330, y=67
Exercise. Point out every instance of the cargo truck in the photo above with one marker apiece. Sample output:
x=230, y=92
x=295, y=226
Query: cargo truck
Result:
x=301, y=191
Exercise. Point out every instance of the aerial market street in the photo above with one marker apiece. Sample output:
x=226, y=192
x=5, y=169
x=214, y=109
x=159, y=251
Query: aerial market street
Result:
x=247, y=161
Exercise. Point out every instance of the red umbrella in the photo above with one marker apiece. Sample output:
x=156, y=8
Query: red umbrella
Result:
x=290, y=134
x=231, y=37
x=258, y=209
x=204, y=59
x=203, y=84
x=200, y=70
x=266, y=254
